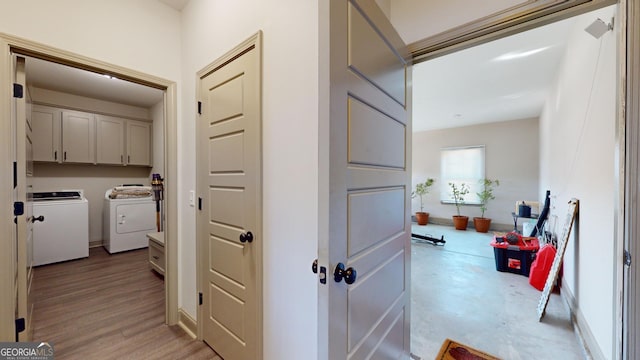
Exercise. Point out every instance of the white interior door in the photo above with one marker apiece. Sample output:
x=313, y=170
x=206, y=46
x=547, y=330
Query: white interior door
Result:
x=369, y=189
x=229, y=222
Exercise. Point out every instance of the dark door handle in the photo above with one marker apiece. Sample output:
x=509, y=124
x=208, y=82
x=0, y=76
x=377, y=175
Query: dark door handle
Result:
x=246, y=237
x=39, y=218
x=349, y=275
x=314, y=266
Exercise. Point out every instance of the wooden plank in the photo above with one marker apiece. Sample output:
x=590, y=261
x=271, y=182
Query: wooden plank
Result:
x=555, y=268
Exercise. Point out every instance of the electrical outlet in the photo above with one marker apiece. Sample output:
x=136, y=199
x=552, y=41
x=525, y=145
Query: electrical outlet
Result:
x=192, y=198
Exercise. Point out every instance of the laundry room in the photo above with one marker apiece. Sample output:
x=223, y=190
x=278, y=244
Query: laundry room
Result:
x=93, y=133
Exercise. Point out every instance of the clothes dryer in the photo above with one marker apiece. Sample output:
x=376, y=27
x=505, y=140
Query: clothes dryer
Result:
x=126, y=222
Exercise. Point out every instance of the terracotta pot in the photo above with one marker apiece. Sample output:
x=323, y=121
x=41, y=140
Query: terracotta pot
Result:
x=460, y=222
x=422, y=218
x=481, y=224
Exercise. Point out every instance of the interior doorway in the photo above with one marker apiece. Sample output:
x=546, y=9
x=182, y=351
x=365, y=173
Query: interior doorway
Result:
x=165, y=92
x=422, y=165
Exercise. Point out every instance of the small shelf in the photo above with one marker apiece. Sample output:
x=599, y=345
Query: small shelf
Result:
x=156, y=252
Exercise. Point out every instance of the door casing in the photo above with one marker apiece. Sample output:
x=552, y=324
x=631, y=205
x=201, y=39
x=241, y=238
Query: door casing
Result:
x=11, y=44
x=626, y=280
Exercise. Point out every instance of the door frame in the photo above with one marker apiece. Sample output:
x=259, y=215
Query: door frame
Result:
x=11, y=44
x=256, y=41
x=626, y=282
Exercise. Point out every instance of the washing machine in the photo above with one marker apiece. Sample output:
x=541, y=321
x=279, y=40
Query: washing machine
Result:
x=60, y=226
x=126, y=222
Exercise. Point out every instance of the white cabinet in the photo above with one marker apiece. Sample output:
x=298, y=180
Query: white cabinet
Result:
x=123, y=142
x=46, y=127
x=110, y=140
x=78, y=137
x=138, y=143
x=69, y=136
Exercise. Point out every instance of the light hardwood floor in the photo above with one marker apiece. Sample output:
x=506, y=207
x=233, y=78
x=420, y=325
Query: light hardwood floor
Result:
x=108, y=307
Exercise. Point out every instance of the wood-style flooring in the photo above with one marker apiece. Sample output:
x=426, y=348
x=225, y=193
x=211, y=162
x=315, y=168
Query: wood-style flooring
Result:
x=108, y=307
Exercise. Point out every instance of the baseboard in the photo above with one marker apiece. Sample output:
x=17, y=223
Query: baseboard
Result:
x=187, y=323
x=581, y=327
x=93, y=244
x=449, y=222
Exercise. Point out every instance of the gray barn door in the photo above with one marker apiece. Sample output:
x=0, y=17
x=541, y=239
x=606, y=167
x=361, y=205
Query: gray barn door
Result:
x=369, y=189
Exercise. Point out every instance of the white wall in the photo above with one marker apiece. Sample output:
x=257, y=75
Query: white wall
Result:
x=577, y=130
x=142, y=35
x=290, y=142
x=511, y=156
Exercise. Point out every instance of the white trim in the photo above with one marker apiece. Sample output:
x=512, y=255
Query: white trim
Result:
x=7, y=256
x=187, y=323
x=627, y=336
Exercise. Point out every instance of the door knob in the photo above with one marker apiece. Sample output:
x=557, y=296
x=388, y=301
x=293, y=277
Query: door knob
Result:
x=246, y=237
x=314, y=266
x=349, y=275
x=39, y=218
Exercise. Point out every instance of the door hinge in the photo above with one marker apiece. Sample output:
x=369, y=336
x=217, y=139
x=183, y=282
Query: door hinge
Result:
x=627, y=258
x=200, y=107
x=199, y=298
x=15, y=174
x=18, y=208
x=20, y=326
x=18, y=92
x=199, y=203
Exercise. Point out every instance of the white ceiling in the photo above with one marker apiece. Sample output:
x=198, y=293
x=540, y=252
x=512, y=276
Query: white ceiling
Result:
x=52, y=76
x=176, y=4
x=506, y=79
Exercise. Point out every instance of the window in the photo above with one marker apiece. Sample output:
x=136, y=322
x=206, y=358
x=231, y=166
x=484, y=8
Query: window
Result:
x=462, y=165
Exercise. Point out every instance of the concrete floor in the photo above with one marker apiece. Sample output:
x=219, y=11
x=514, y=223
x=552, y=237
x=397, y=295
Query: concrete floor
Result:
x=457, y=293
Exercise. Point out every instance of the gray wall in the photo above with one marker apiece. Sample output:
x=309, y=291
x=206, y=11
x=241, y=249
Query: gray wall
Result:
x=511, y=156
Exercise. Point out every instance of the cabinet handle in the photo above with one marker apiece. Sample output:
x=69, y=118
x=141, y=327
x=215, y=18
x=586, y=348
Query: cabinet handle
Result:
x=65, y=155
x=121, y=159
x=156, y=257
x=128, y=159
x=55, y=155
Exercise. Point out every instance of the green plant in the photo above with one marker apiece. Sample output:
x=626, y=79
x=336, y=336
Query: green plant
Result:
x=487, y=193
x=422, y=189
x=458, y=193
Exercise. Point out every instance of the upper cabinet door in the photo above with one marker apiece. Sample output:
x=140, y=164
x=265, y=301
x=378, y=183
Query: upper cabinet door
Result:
x=78, y=137
x=46, y=133
x=138, y=143
x=110, y=140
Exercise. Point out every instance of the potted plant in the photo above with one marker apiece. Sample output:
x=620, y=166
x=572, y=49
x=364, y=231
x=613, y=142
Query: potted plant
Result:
x=481, y=223
x=458, y=192
x=422, y=189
